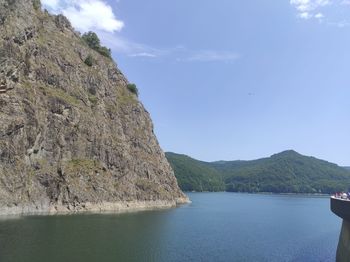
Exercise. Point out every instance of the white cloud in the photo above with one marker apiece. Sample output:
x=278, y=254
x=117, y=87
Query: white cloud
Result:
x=319, y=16
x=309, y=5
x=97, y=15
x=308, y=9
x=143, y=54
x=305, y=15
x=328, y=12
x=53, y=4
x=86, y=15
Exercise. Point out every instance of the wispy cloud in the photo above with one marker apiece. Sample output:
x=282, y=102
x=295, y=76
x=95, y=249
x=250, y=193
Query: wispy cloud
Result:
x=340, y=24
x=177, y=53
x=210, y=56
x=308, y=9
x=143, y=54
x=329, y=12
x=319, y=16
x=51, y=4
x=128, y=47
x=97, y=15
x=86, y=15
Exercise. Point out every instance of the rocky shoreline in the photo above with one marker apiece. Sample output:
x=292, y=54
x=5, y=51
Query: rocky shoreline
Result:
x=103, y=207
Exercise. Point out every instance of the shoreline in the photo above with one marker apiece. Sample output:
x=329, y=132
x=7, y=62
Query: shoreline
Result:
x=265, y=193
x=47, y=209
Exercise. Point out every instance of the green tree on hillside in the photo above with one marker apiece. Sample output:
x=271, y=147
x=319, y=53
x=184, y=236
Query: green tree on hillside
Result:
x=92, y=40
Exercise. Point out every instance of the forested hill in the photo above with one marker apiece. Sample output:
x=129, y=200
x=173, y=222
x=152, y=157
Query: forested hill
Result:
x=194, y=175
x=286, y=172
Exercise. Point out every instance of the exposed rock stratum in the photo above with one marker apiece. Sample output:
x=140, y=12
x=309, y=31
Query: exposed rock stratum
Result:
x=72, y=137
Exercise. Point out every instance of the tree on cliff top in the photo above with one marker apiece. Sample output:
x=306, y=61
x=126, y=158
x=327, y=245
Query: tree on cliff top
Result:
x=94, y=42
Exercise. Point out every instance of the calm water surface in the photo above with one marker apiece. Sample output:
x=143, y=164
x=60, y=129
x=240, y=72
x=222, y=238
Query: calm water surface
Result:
x=215, y=227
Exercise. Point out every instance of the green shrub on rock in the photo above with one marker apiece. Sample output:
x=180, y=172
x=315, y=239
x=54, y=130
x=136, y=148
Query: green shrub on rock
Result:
x=36, y=4
x=133, y=89
x=89, y=61
x=105, y=51
x=92, y=40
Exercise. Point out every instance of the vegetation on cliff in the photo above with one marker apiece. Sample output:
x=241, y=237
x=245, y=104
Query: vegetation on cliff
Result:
x=94, y=42
x=286, y=172
x=133, y=89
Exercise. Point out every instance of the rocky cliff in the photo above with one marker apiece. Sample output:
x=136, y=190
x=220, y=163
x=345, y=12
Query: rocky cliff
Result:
x=72, y=136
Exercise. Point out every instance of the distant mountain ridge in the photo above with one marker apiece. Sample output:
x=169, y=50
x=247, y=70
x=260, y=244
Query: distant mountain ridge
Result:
x=285, y=172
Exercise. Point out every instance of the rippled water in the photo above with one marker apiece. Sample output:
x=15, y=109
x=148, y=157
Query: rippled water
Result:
x=215, y=227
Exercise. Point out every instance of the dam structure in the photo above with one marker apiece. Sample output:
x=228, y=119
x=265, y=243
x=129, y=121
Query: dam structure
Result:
x=341, y=207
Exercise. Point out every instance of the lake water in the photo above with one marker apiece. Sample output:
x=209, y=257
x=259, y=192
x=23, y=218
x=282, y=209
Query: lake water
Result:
x=215, y=227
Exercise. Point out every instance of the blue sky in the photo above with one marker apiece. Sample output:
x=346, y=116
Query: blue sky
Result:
x=229, y=79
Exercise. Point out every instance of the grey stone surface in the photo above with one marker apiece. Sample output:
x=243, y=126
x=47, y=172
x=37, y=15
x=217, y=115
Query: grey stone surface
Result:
x=343, y=250
x=71, y=136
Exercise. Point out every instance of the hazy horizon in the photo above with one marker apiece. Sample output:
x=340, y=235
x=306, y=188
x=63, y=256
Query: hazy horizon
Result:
x=232, y=79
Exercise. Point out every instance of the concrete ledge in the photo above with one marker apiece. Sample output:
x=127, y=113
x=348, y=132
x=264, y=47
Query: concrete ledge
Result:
x=341, y=208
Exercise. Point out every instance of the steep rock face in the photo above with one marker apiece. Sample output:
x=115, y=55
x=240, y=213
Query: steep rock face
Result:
x=72, y=137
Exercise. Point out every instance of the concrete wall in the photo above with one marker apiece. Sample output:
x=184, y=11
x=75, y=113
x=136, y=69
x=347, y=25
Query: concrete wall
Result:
x=343, y=250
